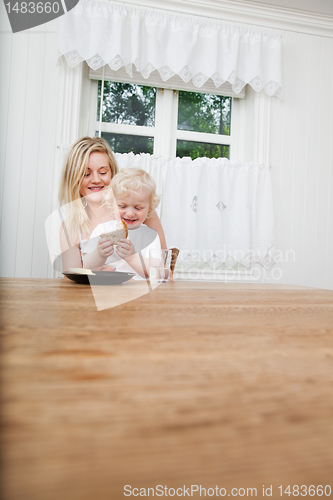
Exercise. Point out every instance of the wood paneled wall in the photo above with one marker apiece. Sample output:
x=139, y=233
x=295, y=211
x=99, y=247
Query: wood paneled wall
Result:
x=301, y=156
x=29, y=101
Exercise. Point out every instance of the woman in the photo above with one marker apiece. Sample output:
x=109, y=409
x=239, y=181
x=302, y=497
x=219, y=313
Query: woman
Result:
x=88, y=170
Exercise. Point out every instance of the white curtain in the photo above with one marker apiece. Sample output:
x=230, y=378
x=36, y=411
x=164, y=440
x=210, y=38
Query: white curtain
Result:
x=217, y=212
x=121, y=36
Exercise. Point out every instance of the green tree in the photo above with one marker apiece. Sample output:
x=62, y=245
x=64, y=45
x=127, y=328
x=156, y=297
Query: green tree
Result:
x=201, y=149
x=132, y=104
x=121, y=143
x=206, y=113
x=127, y=103
x=201, y=112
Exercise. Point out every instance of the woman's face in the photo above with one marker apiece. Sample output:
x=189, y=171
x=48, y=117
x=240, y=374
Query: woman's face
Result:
x=96, y=178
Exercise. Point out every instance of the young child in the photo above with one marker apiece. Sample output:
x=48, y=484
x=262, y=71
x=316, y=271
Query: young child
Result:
x=131, y=197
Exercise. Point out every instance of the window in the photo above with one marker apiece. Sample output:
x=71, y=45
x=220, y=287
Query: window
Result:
x=164, y=122
x=202, y=114
x=128, y=117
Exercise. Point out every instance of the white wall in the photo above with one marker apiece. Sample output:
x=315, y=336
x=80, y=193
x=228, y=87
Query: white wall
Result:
x=301, y=155
x=29, y=95
x=34, y=120
x=37, y=101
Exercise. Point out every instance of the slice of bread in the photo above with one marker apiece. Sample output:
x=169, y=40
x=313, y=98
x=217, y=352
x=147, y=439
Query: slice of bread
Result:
x=80, y=270
x=118, y=234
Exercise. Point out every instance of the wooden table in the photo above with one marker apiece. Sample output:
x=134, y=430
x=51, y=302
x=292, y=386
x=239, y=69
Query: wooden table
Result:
x=205, y=384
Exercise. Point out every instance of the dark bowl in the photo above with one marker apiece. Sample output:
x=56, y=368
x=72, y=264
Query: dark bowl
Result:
x=105, y=278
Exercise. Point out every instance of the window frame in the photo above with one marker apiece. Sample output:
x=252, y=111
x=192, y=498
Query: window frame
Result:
x=165, y=132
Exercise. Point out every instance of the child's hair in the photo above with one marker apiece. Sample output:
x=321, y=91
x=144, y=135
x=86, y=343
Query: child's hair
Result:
x=73, y=171
x=132, y=179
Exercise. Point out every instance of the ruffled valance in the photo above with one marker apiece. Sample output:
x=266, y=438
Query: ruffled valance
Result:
x=105, y=33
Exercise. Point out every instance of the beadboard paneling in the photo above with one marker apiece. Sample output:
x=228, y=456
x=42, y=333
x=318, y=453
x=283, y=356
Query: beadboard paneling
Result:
x=48, y=161
x=301, y=159
x=324, y=226
x=29, y=89
x=6, y=61
x=32, y=111
x=14, y=157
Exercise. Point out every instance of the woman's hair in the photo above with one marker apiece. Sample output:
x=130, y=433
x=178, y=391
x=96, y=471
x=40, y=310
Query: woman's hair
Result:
x=132, y=179
x=72, y=174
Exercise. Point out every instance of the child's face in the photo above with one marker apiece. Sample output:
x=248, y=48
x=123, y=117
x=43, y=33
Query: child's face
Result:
x=133, y=207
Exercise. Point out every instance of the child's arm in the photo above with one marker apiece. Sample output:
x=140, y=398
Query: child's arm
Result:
x=97, y=258
x=126, y=250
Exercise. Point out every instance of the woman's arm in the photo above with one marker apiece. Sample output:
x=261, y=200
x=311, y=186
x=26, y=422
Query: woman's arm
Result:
x=71, y=255
x=154, y=222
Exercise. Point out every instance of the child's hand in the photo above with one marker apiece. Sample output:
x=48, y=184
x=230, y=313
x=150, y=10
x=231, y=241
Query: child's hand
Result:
x=125, y=248
x=107, y=268
x=105, y=247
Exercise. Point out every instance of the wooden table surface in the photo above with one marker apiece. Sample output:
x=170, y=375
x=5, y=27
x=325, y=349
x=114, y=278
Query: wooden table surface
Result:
x=205, y=384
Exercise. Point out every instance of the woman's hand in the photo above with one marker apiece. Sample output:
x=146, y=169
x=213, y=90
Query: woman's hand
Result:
x=125, y=248
x=105, y=247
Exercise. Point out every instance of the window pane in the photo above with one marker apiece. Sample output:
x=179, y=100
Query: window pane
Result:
x=121, y=143
x=200, y=149
x=204, y=113
x=127, y=103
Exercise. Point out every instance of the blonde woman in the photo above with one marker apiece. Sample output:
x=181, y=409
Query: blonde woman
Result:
x=89, y=167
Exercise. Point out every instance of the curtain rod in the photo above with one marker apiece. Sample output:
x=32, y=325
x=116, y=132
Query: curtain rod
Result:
x=195, y=17
x=169, y=12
